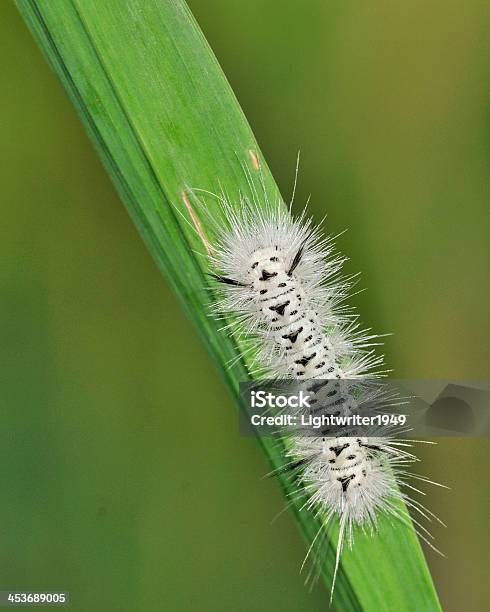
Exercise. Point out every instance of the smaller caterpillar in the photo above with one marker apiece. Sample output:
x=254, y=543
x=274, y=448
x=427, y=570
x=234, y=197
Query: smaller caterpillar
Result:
x=280, y=282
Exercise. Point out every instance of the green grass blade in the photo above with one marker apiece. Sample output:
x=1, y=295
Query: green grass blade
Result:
x=162, y=116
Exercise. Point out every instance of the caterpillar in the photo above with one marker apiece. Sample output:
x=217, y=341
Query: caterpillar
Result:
x=280, y=282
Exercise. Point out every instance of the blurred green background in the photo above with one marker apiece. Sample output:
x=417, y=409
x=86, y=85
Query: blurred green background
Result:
x=103, y=492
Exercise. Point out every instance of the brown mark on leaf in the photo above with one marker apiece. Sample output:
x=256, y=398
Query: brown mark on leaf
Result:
x=197, y=224
x=255, y=159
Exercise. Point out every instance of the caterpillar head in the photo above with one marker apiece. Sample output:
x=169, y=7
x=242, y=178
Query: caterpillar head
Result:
x=265, y=264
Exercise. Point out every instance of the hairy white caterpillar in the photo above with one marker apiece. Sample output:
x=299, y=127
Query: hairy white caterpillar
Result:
x=279, y=280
